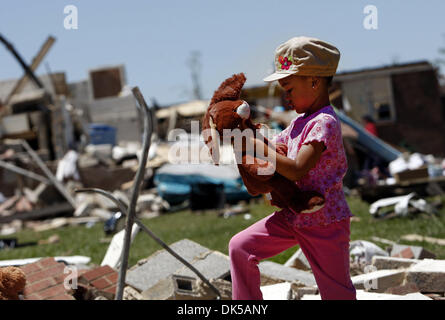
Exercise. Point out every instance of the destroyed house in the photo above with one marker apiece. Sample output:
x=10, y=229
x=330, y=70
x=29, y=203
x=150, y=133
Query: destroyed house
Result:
x=37, y=115
x=106, y=99
x=404, y=100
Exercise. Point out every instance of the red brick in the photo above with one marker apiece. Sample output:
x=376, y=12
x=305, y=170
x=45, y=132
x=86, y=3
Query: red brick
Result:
x=30, y=268
x=113, y=277
x=97, y=273
x=62, y=297
x=61, y=277
x=46, y=262
x=39, y=285
x=110, y=290
x=101, y=283
x=52, y=291
x=51, y=272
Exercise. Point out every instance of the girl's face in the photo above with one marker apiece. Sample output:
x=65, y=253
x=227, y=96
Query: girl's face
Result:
x=301, y=91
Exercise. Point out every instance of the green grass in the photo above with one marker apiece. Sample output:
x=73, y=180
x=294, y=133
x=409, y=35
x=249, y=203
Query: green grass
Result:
x=215, y=232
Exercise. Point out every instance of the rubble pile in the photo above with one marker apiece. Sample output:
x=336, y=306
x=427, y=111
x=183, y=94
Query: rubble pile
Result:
x=44, y=207
x=379, y=275
x=162, y=277
x=60, y=140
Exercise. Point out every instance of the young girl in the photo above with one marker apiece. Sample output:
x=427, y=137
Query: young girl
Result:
x=315, y=161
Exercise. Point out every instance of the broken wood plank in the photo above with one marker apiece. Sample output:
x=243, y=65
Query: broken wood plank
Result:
x=9, y=203
x=48, y=173
x=417, y=237
x=27, y=69
x=34, y=64
x=382, y=240
x=54, y=210
x=23, y=172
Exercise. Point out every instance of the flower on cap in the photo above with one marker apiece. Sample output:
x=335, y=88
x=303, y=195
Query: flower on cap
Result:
x=285, y=62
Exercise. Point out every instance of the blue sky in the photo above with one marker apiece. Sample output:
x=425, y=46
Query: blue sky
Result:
x=154, y=39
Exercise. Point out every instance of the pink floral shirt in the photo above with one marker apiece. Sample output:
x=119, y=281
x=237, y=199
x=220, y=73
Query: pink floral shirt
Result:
x=327, y=175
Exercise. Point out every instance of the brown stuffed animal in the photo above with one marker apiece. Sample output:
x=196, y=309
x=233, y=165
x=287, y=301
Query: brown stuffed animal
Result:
x=227, y=111
x=12, y=282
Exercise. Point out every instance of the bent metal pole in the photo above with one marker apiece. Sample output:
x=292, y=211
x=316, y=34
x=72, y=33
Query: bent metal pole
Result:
x=122, y=207
x=148, y=130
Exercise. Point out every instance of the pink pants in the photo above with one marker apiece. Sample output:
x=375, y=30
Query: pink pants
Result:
x=326, y=248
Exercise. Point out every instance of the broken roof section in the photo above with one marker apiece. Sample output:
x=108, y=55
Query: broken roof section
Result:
x=384, y=70
x=404, y=100
x=193, y=108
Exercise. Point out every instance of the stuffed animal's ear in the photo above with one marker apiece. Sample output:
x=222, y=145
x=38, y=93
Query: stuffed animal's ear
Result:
x=214, y=151
x=230, y=89
x=211, y=137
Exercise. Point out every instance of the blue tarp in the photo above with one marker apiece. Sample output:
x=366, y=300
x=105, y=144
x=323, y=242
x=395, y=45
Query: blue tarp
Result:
x=373, y=143
x=174, y=182
x=102, y=134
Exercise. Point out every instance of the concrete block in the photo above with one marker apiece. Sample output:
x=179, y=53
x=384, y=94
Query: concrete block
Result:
x=212, y=265
x=163, y=277
x=272, y=273
x=411, y=252
x=410, y=296
x=177, y=287
x=428, y=275
x=278, y=291
x=298, y=261
x=379, y=281
x=403, y=289
x=224, y=287
x=387, y=263
x=297, y=292
x=363, y=295
x=164, y=289
x=131, y=294
x=162, y=264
